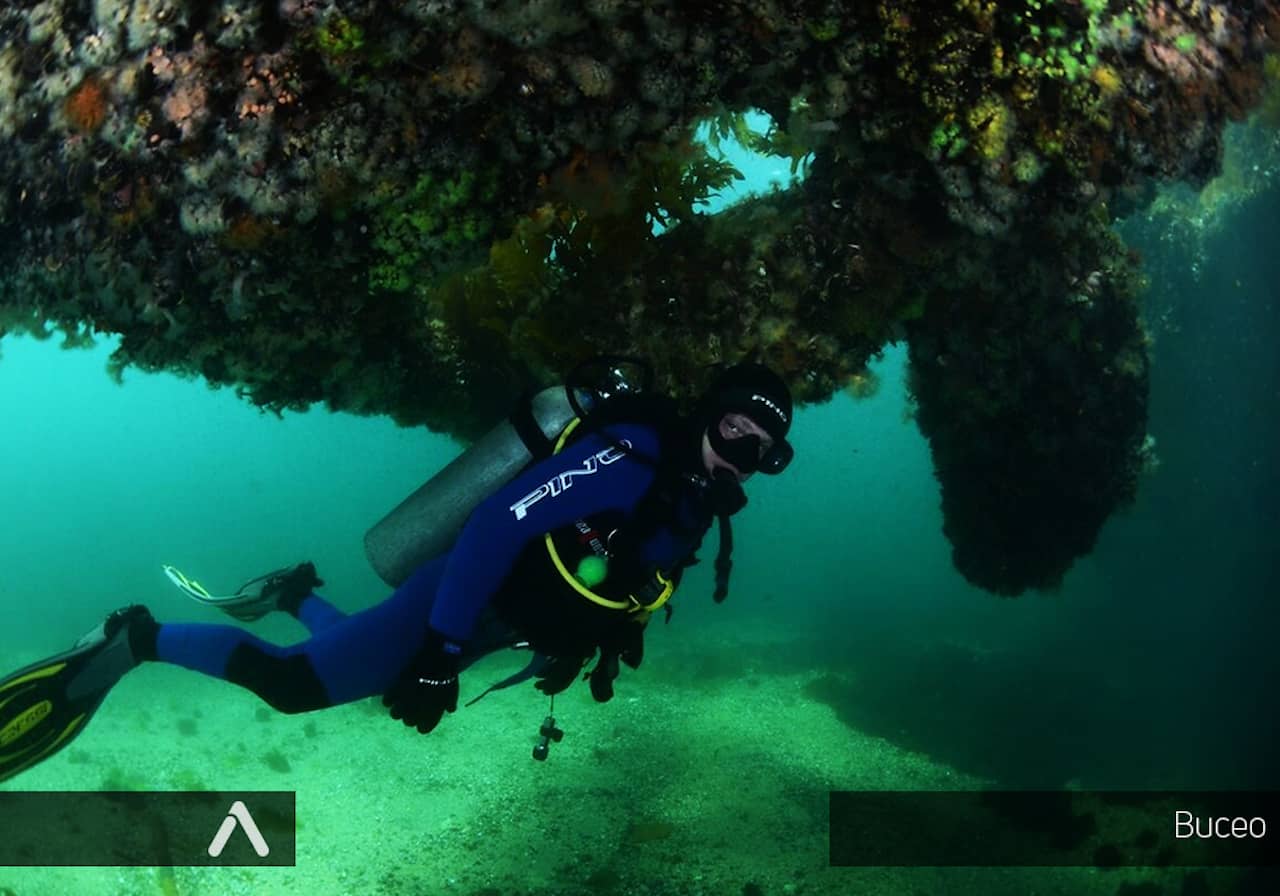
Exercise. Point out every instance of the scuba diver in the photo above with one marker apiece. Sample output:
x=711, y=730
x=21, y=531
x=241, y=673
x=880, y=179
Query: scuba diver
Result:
x=560, y=532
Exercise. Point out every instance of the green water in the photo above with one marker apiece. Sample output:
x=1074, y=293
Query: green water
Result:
x=849, y=655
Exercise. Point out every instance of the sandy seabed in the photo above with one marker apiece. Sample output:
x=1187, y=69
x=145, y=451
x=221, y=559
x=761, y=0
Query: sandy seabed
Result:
x=675, y=787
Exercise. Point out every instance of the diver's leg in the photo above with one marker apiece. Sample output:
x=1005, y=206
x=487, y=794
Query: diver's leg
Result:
x=313, y=611
x=282, y=676
x=362, y=654
x=350, y=658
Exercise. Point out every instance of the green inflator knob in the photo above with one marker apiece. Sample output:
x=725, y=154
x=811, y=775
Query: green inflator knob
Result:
x=592, y=571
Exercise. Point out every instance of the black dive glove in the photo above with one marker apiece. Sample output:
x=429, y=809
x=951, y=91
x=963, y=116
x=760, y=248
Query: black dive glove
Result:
x=558, y=673
x=627, y=646
x=428, y=686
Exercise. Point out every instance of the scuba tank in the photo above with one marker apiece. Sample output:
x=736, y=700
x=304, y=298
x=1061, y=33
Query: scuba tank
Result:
x=427, y=522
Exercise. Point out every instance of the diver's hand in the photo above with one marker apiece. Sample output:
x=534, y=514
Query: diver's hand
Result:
x=627, y=646
x=428, y=686
x=602, y=677
x=558, y=673
x=632, y=652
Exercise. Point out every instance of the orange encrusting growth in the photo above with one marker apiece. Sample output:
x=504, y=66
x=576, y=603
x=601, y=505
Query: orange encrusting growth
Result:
x=86, y=106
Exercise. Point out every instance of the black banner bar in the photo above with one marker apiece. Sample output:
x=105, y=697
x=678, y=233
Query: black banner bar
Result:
x=1105, y=829
x=139, y=828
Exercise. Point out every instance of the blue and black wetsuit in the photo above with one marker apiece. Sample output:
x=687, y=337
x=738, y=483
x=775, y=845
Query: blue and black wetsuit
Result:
x=496, y=580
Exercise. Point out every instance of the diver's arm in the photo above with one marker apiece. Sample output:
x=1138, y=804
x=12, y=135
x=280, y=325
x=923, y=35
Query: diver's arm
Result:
x=548, y=495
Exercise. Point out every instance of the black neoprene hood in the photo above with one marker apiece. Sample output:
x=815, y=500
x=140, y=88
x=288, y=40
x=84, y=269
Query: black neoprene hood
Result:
x=756, y=391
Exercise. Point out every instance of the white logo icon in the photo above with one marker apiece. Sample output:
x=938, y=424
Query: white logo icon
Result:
x=238, y=813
